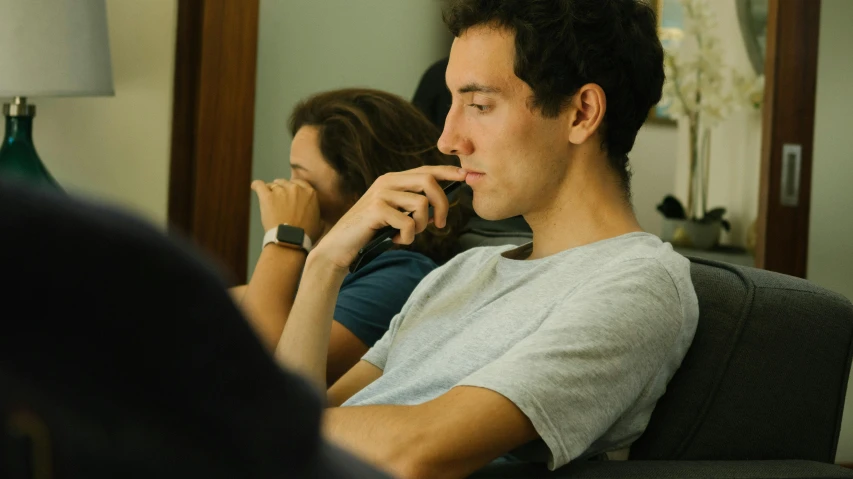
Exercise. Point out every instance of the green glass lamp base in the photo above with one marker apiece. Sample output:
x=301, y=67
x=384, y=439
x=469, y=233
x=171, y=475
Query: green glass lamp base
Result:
x=21, y=162
x=18, y=158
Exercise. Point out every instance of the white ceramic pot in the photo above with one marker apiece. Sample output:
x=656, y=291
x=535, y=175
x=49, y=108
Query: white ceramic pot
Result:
x=691, y=234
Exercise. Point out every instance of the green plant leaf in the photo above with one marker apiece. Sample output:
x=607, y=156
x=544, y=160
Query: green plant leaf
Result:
x=714, y=215
x=671, y=208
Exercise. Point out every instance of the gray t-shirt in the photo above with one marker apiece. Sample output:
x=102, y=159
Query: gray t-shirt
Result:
x=583, y=341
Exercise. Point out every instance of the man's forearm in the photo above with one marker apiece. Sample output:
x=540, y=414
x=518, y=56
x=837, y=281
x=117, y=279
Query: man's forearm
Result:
x=448, y=437
x=406, y=441
x=268, y=298
x=385, y=436
x=304, y=344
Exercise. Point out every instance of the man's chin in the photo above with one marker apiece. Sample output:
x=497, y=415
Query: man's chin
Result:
x=490, y=211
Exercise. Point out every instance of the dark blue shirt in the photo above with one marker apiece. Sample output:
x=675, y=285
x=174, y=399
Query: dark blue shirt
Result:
x=373, y=295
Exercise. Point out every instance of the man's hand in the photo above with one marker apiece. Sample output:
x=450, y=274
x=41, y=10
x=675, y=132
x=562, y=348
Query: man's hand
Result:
x=387, y=203
x=289, y=202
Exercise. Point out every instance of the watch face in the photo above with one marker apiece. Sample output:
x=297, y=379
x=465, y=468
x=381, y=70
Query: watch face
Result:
x=290, y=234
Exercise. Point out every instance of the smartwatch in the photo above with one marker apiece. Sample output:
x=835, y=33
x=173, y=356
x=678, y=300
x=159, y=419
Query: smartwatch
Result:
x=288, y=236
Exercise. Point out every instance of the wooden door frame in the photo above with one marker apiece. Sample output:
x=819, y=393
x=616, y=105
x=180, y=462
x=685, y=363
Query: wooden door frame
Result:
x=793, y=28
x=213, y=128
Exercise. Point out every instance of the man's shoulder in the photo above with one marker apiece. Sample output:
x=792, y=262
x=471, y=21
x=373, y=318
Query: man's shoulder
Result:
x=638, y=262
x=648, y=252
x=652, y=267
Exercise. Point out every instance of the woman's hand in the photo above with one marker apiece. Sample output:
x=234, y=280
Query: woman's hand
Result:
x=289, y=202
x=386, y=203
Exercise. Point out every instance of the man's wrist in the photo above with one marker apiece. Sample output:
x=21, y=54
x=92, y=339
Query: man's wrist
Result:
x=319, y=266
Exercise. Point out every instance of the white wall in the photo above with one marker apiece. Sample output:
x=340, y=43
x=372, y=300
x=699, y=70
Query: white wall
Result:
x=308, y=46
x=830, y=260
x=830, y=256
x=653, y=162
x=117, y=148
x=735, y=143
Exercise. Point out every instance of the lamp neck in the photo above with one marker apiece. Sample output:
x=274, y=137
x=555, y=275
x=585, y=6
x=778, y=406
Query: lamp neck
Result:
x=19, y=120
x=19, y=128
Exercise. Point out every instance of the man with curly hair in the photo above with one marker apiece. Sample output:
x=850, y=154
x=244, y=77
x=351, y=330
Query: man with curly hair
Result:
x=554, y=351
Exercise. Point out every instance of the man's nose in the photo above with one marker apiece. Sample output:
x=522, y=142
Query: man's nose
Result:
x=452, y=142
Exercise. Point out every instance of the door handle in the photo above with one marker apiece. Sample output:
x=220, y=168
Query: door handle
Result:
x=792, y=155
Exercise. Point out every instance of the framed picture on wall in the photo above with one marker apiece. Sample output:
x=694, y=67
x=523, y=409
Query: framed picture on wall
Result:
x=671, y=23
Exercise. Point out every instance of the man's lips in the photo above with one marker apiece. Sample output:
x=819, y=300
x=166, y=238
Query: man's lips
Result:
x=474, y=177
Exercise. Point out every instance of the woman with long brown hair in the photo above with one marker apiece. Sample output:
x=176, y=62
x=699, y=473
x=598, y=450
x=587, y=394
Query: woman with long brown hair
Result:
x=343, y=141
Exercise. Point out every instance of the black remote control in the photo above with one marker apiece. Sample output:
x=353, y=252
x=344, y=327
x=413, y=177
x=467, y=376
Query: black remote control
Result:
x=381, y=242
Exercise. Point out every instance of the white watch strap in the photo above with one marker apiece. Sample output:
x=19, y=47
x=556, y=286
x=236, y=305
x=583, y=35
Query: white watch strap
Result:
x=270, y=237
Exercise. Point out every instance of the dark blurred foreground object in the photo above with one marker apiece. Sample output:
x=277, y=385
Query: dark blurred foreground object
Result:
x=122, y=355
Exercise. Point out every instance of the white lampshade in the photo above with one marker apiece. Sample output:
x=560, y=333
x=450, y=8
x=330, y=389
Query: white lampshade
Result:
x=54, y=48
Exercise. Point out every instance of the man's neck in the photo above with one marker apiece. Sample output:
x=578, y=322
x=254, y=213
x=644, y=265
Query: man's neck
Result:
x=588, y=206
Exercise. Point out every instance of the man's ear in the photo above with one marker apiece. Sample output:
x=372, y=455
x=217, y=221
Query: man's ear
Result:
x=589, y=105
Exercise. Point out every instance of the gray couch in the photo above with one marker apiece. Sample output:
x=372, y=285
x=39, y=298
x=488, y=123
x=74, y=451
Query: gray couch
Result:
x=759, y=395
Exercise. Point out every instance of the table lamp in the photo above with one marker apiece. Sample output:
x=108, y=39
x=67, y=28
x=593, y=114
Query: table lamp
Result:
x=47, y=48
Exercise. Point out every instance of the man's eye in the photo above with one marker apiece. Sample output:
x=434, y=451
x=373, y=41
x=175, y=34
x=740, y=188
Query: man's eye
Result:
x=480, y=108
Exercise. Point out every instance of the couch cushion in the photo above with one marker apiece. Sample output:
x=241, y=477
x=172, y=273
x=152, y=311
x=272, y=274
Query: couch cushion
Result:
x=766, y=376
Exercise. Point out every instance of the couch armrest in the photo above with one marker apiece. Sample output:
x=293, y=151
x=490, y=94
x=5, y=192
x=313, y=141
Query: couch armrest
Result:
x=671, y=469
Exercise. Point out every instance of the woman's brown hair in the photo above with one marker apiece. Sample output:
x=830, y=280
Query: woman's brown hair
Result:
x=366, y=133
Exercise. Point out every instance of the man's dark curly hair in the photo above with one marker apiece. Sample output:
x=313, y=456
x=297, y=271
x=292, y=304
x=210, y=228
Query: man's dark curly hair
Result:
x=561, y=45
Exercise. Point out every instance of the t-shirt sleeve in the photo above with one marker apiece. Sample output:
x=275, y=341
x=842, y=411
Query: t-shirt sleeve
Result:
x=374, y=295
x=592, y=356
x=378, y=354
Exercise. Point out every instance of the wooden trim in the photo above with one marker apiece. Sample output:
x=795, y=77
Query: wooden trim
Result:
x=182, y=167
x=213, y=127
x=769, y=102
x=789, y=104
